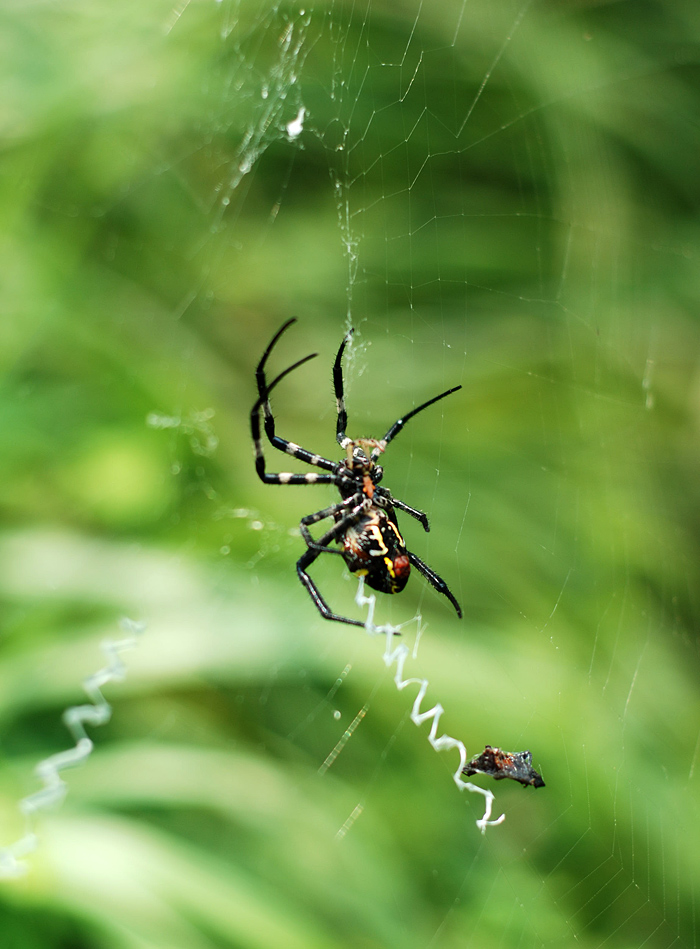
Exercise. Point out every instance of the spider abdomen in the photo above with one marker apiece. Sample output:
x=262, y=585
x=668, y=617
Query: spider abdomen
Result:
x=374, y=549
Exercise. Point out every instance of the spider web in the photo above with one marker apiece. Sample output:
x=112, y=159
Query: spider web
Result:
x=485, y=236
x=479, y=189
x=513, y=285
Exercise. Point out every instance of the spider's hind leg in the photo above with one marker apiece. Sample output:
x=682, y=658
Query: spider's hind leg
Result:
x=330, y=511
x=308, y=557
x=435, y=580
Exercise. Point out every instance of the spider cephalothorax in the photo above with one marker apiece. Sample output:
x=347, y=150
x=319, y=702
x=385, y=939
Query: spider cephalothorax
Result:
x=365, y=526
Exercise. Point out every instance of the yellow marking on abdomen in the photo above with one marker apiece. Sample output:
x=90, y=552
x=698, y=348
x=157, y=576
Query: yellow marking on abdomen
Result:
x=383, y=549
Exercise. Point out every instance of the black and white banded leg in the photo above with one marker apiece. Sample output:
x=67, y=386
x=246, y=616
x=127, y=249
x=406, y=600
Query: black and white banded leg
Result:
x=282, y=444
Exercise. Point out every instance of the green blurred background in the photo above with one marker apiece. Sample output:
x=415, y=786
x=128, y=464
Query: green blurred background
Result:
x=502, y=195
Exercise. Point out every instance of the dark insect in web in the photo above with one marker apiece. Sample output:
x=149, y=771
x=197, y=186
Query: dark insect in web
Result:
x=500, y=764
x=365, y=526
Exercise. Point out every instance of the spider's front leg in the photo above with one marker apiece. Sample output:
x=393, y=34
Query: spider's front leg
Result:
x=282, y=444
x=342, y=422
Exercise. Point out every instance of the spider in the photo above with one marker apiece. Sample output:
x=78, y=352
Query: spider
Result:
x=365, y=524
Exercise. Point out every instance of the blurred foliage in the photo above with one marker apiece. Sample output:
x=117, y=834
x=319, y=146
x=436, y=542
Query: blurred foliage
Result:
x=504, y=194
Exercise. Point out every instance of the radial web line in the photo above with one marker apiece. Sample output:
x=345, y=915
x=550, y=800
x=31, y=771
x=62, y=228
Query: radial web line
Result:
x=344, y=739
x=398, y=656
x=75, y=719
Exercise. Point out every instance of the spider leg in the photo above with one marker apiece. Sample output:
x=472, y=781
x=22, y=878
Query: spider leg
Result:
x=290, y=448
x=330, y=511
x=399, y=423
x=402, y=506
x=342, y=423
x=308, y=557
x=435, y=581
